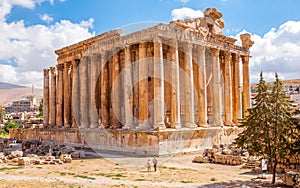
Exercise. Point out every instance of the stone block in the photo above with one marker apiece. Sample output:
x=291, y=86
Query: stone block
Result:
x=291, y=179
x=200, y=159
x=68, y=160
x=2, y=156
x=15, y=154
x=23, y=161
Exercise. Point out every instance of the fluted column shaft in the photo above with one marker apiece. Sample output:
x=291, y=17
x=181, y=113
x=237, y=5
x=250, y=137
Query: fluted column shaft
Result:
x=175, y=89
x=127, y=87
x=217, y=119
x=52, y=96
x=115, y=97
x=93, y=74
x=84, y=92
x=202, y=101
x=236, y=89
x=246, y=82
x=143, y=83
x=67, y=94
x=59, y=96
x=75, y=100
x=189, y=87
x=159, y=111
x=104, y=92
x=46, y=99
x=228, y=89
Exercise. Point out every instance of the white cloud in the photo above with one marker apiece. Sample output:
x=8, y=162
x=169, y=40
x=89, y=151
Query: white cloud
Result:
x=184, y=1
x=29, y=49
x=46, y=18
x=277, y=51
x=184, y=12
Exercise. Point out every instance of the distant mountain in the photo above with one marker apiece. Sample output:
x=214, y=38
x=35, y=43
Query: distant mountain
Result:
x=12, y=92
x=9, y=86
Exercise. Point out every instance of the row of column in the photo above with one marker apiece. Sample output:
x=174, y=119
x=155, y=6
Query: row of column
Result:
x=78, y=81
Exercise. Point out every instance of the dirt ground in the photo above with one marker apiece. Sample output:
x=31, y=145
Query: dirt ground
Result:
x=120, y=171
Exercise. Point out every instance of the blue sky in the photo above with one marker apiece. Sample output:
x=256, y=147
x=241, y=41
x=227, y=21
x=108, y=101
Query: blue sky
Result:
x=32, y=29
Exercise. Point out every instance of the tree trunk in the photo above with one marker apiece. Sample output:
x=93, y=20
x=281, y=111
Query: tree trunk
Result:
x=274, y=172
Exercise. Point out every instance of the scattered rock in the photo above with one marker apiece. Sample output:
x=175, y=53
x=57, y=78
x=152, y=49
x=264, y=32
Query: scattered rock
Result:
x=291, y=179
x=15, y=154
x=200, y=159
x=213, y=179
x=23, y=161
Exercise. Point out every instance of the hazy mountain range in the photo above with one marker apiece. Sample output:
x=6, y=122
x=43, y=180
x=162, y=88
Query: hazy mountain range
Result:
x=12, y=92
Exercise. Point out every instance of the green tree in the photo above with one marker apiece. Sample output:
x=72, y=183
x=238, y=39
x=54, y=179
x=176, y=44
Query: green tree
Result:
x=269, y=129
x=11, y=125
x=41, y=108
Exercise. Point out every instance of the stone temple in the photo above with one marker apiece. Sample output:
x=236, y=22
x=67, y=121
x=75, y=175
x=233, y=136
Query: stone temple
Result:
x=165, y=89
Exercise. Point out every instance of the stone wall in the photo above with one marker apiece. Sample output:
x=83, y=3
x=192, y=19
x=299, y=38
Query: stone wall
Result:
x=135, y=142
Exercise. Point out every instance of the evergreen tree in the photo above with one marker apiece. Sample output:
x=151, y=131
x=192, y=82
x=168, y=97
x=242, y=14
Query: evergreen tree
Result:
x=269, y=129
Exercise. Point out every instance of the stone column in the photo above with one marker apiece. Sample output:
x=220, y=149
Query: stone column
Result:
x=127, y=87
x=202, y=102
x=236, y=89
x=159, y=111
x=217, y=119
x=95, y=58
x=115, y=97
x=46, y=99
x=75, y=95
x=104, y=92
x=175, y=95
x=228, y=89
x=67, y=94
x=84, y=92
x=189, y=87
x=143, y=84
x=52, y=96
x=59, y=96
x=246, y=83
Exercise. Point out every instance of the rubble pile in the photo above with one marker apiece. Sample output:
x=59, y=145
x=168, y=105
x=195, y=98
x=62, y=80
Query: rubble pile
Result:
x=222, y=155
x=50, y=147
x=32, y=159
x=291, y=179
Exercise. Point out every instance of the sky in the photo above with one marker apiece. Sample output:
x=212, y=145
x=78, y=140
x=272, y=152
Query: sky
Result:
x=30, y=30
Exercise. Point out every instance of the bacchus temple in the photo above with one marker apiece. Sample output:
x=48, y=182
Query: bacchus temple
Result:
x=165, y=89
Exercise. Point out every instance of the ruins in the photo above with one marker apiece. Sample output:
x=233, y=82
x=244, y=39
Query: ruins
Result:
x=165, y=89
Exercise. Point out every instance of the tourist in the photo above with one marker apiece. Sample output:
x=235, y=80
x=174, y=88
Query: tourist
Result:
x=148, y=165
x=154, y=163
x=264, y=167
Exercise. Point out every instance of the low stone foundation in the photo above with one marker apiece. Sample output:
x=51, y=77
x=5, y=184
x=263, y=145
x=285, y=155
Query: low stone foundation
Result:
x=144, y=143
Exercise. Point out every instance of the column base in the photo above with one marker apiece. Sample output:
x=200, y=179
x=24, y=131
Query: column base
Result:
x=203, y=125
x=176, y=125
x=229, y=123
x=159, y=126
x=94, y=125
x=190, y=125
x=128, y=126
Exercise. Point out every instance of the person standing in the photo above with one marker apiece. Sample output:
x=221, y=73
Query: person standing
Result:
x=148, y=165
x=154, y=163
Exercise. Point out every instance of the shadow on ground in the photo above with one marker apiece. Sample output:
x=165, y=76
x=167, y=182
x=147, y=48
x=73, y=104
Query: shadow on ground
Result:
x=254, y=183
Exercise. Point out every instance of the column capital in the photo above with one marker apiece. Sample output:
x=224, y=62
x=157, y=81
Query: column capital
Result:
x=46, y=72
x=245, y=59
x=215, y=52
x=157, y=40
x=142, y=44
x=202, y=48
x=59, y=67
x=227, y=56
x=52, y=70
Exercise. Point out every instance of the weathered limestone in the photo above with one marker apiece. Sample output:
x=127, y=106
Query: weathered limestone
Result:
x=67, y=95
x=189, y=87
x=143, y=85
x=52, y=97
x=59, y=96
x=159, y=111
x=128, y=89
x=75, y=94
x=175, y=90
x=217, y=119
x=46, y=98
x=236, y=89
x=170, y=76
x=228, y=89
x=84, y=92
x=202, y=102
